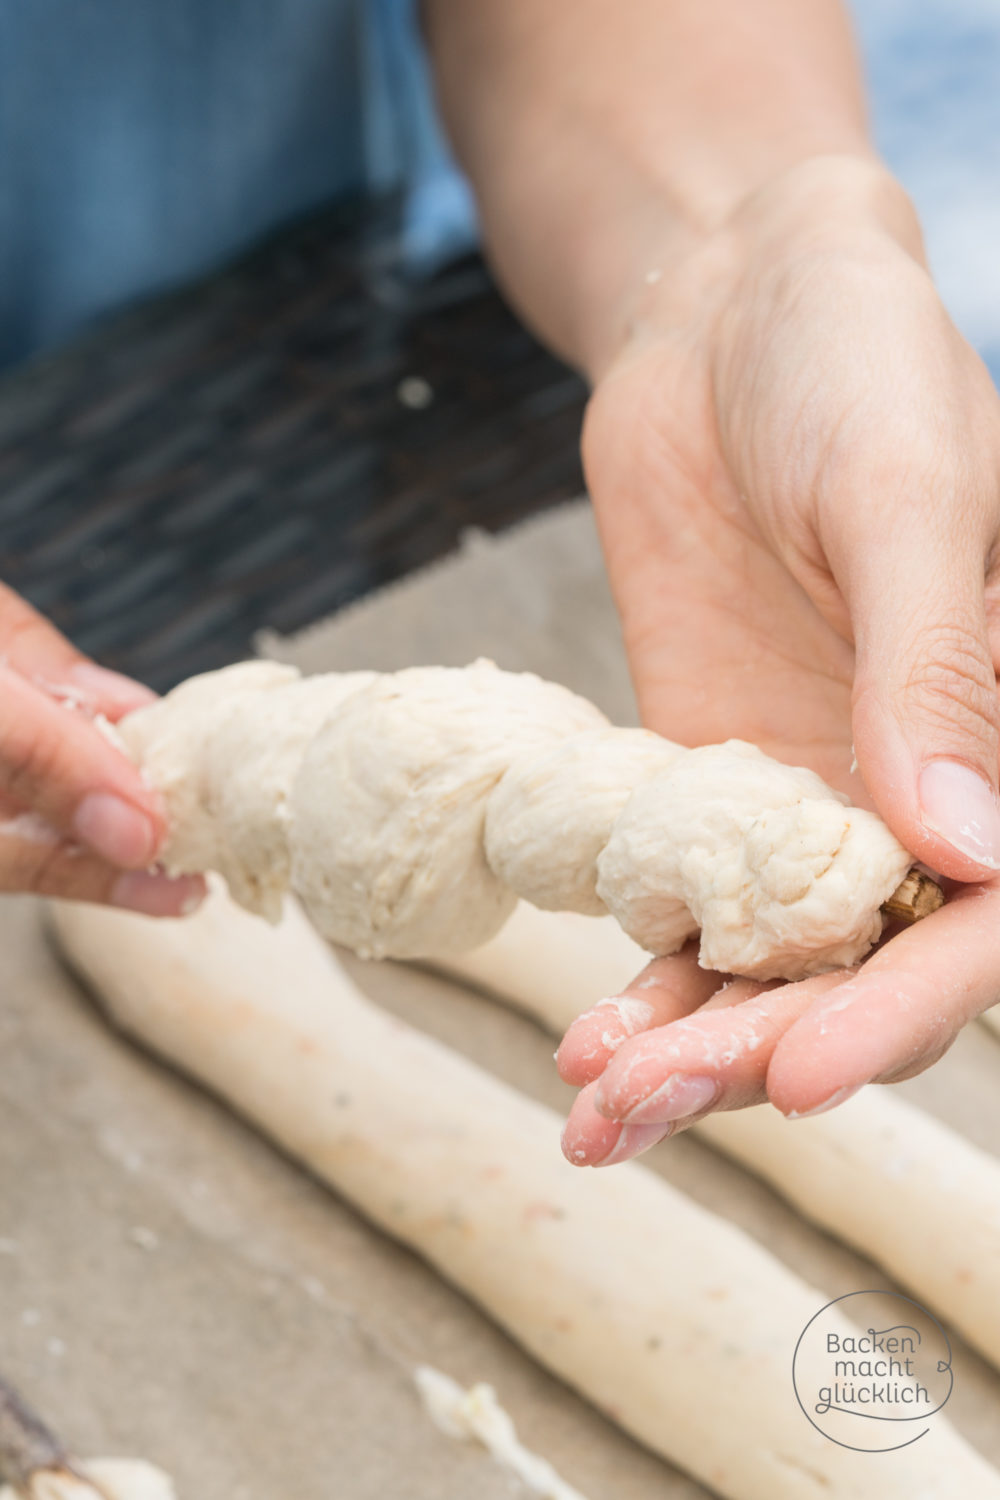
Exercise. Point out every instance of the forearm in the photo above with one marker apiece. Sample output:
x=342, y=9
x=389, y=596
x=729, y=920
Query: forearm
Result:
x=599, y=135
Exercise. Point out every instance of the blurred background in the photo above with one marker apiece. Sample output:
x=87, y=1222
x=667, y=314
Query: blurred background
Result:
x=334, y=404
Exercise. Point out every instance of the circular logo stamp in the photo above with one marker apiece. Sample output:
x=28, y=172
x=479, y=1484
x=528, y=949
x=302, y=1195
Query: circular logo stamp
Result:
x=871, y=1369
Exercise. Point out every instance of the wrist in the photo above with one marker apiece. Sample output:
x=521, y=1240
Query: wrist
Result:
x=823, y=200
x=678, y=269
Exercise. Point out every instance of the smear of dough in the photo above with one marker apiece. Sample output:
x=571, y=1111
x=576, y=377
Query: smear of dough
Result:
x=476, y=1415
x=118, y=1478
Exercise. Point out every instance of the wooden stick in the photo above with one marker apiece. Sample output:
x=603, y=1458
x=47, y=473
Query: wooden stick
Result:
x=914, y=898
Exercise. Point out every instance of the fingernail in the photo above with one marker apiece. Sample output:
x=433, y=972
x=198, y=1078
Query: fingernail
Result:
x=158, y=895
x=115, y=829
x=838, y=1098
x=960, y=805
x=633, y=1140
x=113, y=687
x=681, y=1094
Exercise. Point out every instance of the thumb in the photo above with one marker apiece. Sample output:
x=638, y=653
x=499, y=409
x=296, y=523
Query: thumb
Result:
x=925, y=697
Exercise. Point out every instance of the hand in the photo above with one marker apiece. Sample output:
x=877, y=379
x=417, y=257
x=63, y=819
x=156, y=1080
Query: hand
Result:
x=795, y=467
x=76, y=819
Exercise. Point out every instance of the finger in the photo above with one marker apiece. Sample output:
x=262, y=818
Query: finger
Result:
x=589, y=1140
x=34, y=858
x=59, y=765
x=716, y=1059
x=32, y=647
x=925, y=713
x=666, y=989
x=897, y=1014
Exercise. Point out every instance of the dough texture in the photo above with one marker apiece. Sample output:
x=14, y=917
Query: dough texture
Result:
x=878, y=1173
x=476, y=1415
x=780, y=876
x=119, y=1479
x=410, y=810
x=389, y=805
x=553, y=813
x=673, y=1322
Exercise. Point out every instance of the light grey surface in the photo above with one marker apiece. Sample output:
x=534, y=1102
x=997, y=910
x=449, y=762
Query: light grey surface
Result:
x=170, y=1286
x=535, y=599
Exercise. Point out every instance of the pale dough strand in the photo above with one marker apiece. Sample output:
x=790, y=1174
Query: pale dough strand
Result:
x=409, y=811
x=476, y=1414
x=118, y=1478
x=673, y=1322
x=878, y=1173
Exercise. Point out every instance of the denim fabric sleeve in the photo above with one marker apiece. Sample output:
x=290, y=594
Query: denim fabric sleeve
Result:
x=141, y=144
x=405, y=145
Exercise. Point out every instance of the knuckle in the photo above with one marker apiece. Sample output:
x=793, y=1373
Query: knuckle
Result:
x=24, y=863
x=58, y=869
x=21, y=626
x=32, y=764
x=913, y=1067
x=41, y=870
x=953, y=685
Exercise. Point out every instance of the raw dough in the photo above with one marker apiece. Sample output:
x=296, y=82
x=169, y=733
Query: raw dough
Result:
x=878, y=1173
x=389, y=805
x=673, y=1322
x=119, y=1478
x=777, y=873
x=579, y=787
x=410, y=809
x=257, y=754
x=477, y=1414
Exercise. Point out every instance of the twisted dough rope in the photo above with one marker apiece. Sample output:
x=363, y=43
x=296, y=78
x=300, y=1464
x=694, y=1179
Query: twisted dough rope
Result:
x=410, y=810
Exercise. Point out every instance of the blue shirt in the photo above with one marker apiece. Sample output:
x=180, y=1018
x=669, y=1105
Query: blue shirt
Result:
x=144, y=141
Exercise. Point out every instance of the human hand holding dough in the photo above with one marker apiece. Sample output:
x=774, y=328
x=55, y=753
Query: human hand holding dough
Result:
x=793, y=465
x=674, y=1047
x=410, y=810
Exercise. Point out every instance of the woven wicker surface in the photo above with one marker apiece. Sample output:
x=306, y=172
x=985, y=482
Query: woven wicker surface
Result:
x=266, y=446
